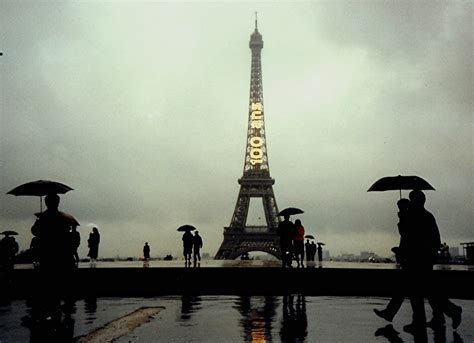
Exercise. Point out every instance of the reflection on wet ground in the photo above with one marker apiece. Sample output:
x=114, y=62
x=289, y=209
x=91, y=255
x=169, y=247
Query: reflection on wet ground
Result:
x=248, y=264
x=192, y=318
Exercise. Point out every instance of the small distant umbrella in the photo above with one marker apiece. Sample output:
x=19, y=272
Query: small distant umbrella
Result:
x=186, y=228
x=9, y=233
x=320, y=243
x=40, y=188
x=289, y=211
x=309, y=236
x=399, y=182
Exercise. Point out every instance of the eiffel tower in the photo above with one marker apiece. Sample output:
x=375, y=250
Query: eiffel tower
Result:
x=239, y=238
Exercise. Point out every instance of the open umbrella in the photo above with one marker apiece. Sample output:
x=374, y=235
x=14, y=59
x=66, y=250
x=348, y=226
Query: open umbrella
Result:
x=40, y=188
x=320, y=243
x=9, y=233
x=309, y=236
x=289, y=211
x=399, y=182
x=186, y=228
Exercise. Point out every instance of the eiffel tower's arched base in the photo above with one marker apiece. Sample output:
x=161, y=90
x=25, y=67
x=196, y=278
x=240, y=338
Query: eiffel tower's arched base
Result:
x=236, y=244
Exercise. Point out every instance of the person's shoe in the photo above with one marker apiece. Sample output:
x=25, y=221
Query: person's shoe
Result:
x=457, y=318
x=413, y=328
x=383, y=314
x=436, y=322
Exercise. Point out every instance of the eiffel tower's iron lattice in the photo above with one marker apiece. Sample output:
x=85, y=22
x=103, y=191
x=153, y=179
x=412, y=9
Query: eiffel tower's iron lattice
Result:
x=256, y=181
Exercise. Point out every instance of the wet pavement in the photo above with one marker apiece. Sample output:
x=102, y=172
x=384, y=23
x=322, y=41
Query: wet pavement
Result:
x=250, y=264
x=191, y=318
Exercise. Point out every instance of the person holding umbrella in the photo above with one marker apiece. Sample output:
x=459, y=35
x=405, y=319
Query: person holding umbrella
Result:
x=188, y=242
x=52, y=230
x=285, y=231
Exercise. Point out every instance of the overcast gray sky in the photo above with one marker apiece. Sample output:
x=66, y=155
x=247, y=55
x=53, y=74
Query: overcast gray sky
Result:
x=142, y=109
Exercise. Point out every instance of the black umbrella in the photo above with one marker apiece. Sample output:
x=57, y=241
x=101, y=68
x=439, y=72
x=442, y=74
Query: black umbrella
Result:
x=309, y=236
x=40, y=188
x=289, y=211
x=9, y=233
x=320, y=243
x=186, y=228
x=392, y=183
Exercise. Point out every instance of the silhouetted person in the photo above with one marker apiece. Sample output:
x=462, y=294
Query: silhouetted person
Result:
x=146, y=251
x=444, y=253
x=298, y=242
x=75, y=242
x=422, y=241
x=307, y=249
x=52, y=230
x=188, y=240
x=93, y=244
x=197, y=245
x=389, y=312
x=320, y=252
x=8, y=250
x=56, y=261
x=285, y=230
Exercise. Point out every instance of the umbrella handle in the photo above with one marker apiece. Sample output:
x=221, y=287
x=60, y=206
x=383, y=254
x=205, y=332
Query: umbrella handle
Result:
x=400, y=193
x=41, y=204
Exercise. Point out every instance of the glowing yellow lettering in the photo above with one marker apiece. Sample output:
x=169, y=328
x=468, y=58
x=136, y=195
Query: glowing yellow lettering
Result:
x=256, y=142
x=256, y=124
x=256, y=115
x=256, y=106
x=256, y=153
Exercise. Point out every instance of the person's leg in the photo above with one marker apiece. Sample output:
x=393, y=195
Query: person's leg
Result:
x=392, y=308
x=442, y=305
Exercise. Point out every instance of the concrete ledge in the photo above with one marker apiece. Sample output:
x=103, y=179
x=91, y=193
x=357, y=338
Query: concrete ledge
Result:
x=126, y=282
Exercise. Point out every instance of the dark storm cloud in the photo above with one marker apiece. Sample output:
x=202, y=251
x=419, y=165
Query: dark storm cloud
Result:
x=141, y=108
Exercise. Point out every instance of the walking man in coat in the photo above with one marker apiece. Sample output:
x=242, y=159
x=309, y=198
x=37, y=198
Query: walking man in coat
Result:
x=197, y=245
